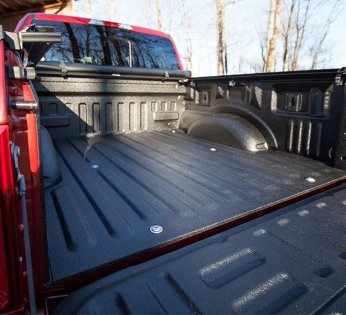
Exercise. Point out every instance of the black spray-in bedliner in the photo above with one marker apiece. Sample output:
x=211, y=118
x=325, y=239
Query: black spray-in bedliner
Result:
x=291, y=261
x=115, y=188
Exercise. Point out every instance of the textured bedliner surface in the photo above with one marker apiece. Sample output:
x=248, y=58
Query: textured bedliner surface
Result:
x=291, y=261
x=115, y=188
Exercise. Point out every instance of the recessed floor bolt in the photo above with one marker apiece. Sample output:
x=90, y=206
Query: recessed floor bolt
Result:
x=156, y=229
x=310, y=179
x=212, y=149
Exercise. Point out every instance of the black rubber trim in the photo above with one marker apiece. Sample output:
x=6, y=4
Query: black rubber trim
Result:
x=96, y=70
x=289, y=75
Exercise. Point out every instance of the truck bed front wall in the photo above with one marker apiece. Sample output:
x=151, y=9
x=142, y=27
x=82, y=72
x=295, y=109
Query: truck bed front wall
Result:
x=73, y=107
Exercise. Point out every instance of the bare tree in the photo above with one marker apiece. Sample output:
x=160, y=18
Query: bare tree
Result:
x=300, y=28
x=270, y=60
x=269, y=34
x=170, y=16
x=300, y=39
x=318, y=47
x=188, y=48
x=88, y=9
x=187, y=30
x=286, y=33
x=221, y=40
x=159, y=15
x=74, y=43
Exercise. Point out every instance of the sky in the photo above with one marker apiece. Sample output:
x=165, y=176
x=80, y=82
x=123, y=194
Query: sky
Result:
x=245, y=24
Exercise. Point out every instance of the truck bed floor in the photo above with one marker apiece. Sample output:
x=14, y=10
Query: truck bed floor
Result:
x=115, y=188
x=291, y=261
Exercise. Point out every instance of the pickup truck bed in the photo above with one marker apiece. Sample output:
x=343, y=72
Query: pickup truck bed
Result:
x=291, y=261
x=165, y=193
x=114, y=188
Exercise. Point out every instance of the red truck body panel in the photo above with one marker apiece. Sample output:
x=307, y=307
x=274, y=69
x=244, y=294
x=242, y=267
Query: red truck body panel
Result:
x=20, y=128
x=3, y=110
x=5, y=188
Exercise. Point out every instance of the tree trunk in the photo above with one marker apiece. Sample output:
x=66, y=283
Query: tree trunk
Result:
x=159, y=17
x=189, y=53
x=270, y=64
x=88, y=9
x=269, y=34
x=221, y=41
x=74, y=43
x=300, y=28
x=187, y=30
x=287, y=36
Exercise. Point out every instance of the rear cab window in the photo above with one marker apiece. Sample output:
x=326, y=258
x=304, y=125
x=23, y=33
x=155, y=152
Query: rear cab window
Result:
x=109, y=46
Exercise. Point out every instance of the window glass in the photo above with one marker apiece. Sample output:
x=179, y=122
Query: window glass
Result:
x=100, y=45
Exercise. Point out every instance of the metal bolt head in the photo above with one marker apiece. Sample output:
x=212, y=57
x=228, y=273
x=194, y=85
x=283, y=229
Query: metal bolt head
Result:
x=94, y=166
x=156, y=229
x=321, y=205
x=303, y=213
x=259, y=232
x=212, y=149
x=310, y=179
